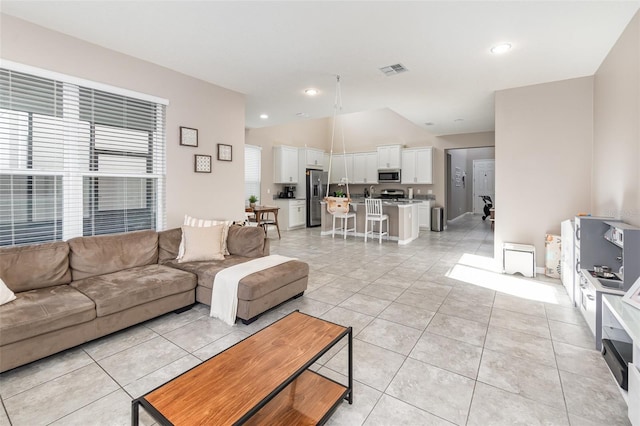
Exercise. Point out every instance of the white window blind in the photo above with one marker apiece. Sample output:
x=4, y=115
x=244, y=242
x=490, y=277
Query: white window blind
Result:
x=252, y=165
x=76, y=161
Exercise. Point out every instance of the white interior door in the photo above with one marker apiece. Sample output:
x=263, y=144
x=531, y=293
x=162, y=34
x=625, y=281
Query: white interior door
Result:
x=484, y=183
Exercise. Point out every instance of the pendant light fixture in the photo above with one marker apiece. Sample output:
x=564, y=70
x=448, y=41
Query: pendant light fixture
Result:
x=338, y=204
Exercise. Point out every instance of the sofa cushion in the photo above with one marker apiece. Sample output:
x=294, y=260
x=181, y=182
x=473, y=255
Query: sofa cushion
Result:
x=264, y=282
x=202, y=243
x=169, y=244
x=25, y=268
x=43, y=310
x=122, y=290
x=247, y=241
x=91, y=256
x=252, y=286
x=204, y=223
x=206, y=271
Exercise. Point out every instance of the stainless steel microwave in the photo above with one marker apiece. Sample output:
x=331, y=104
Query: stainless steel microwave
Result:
x=388, y=176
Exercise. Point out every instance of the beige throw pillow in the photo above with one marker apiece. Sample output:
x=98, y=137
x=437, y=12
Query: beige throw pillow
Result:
x=202, y=243
x=6, y=295
x=195, y=222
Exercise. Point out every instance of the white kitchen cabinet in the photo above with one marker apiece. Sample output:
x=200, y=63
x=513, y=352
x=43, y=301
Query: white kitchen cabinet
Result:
x=389, y=157
x=338, y=168
x=365, y=168
x=292, y=214
x=297, y=214
x=417, y=166
x=325, y=162
x=285, y=164
x=311, y=157
x=424, y=215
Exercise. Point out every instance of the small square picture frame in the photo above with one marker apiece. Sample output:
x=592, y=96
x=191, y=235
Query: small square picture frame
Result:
x=202, y=163
x=225, y=152
x=188, y=136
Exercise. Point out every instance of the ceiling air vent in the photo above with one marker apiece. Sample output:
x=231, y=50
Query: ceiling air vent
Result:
x=393, y=69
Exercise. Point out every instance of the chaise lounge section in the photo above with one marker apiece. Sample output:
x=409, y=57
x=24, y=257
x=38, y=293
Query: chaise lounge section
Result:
x=257, y=292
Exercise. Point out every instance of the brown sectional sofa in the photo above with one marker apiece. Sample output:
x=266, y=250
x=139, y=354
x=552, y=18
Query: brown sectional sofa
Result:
x=72, y=292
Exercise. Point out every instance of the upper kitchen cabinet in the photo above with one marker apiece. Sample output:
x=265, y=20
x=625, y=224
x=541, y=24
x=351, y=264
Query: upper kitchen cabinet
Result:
x=365, y=167
x=338, y=168
x=417, y=165
x=389, y=157
x=325, y=162
x=311, y=158
x=285, y=164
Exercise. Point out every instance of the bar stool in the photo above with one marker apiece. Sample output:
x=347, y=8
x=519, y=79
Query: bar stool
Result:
x=374, y=214
x=344, y=217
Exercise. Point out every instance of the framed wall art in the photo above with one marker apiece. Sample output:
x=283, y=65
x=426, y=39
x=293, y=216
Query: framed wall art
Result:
x=202, y=163
x=632, y=296
x=188, y=136
x=224, y=152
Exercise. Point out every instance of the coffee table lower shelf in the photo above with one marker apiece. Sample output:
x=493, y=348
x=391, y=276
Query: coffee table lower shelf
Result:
x=309, y=400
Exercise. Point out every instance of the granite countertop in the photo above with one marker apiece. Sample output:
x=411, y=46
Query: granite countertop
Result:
x=399, y=202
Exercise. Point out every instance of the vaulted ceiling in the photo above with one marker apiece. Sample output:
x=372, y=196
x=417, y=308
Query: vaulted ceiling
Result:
x=273, y=51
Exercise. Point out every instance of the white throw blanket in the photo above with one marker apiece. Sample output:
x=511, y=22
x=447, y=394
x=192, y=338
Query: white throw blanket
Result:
x=224, y=297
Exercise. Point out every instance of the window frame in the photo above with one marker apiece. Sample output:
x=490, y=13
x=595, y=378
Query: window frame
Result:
x=73, y=175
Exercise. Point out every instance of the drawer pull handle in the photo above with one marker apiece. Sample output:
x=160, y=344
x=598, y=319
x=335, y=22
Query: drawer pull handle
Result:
x=590, y=297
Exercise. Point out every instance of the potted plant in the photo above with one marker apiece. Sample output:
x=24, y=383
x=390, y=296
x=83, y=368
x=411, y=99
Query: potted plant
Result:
x=252, y=201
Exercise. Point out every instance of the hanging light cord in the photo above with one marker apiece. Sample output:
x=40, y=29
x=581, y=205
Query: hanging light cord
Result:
x=337, y=106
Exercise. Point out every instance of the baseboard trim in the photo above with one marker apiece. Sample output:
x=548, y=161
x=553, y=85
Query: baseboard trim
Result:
x=459, y=217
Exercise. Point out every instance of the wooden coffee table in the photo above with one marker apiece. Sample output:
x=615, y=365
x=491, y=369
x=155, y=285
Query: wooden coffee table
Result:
x=264, y=379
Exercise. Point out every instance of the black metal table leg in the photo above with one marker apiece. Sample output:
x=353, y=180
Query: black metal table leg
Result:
x=350, y=365
x=135, y=412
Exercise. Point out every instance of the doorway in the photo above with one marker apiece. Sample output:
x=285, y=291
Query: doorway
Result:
x=461, y=192
x=484, y=183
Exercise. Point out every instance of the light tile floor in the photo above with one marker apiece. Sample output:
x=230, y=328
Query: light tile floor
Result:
x=429, y=349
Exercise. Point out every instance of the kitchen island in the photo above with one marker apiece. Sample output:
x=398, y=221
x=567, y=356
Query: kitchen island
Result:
x=404, y=225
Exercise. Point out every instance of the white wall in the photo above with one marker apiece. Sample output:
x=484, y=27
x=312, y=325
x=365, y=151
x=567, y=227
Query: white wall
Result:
x=616, y=179
x=544, y=143
x=217, y=113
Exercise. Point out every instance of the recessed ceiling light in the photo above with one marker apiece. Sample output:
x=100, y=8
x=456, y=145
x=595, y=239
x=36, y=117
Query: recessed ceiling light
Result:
x=501, y=48
x=311, y=92
x=264, y=116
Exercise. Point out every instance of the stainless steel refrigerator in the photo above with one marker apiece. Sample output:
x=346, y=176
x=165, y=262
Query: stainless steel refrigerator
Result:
x=316, y=190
